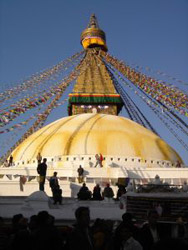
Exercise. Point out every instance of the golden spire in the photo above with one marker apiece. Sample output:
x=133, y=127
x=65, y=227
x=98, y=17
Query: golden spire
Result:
x=94, y=89
x=93, y=22
x=93, y=36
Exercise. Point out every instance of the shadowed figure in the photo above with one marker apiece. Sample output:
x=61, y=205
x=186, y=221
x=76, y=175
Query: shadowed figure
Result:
x=97, y=193
x=45, y=236
x=81, y=236
x=84, y=193
x=41, y=169
x=80, y=171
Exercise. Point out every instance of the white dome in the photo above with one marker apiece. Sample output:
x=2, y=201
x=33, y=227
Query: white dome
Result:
x=88, y=134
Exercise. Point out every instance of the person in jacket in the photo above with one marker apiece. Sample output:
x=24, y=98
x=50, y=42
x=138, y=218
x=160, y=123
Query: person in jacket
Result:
x=108, y=192
x=41, y=169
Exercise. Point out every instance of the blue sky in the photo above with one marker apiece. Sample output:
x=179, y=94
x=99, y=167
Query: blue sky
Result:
x=39, y=33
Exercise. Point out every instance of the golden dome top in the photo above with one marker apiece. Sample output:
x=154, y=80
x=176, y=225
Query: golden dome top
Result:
x=93, y=36
x=88, y=134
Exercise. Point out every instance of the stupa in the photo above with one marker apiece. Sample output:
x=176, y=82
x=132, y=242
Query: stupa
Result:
x=93, y=127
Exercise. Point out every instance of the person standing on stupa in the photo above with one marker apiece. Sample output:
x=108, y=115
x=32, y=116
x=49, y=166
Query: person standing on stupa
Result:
x=98, y=161
x=178, y=164
x=101, y=159
x=39, y=157
x=108, y=193
x=97, y=193
x=6, y=164
x=57, y=195
x=41, y=169
x=54, y=183
x=80, y=171
x=10, y=161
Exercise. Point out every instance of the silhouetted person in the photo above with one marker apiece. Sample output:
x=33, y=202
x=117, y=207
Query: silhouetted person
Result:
x=178, y=164
x=127, y=219
x=102, y=234
x=151, y=232
x=121, y=191
x=20, y=234
x=84, y=193
x=16, y=222
x=53, y=182
x=81, y=236
x=124, y=238
x=97, y=193
x=32, y=224
x=57, y=195
x=108, y=192
x=41, y=169
x=45, y=236
x=10, y=163
x=101, y=159
x=179, y=229
x=80, y=171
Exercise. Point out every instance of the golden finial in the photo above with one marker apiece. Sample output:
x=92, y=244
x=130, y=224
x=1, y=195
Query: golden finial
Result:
x=93, y=22
x=93, y=36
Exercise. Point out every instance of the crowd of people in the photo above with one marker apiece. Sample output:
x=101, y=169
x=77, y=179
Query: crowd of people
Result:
x=85, y=194
x=40, y=232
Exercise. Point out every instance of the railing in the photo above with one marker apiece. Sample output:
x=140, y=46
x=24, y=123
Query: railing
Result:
x=112, y=161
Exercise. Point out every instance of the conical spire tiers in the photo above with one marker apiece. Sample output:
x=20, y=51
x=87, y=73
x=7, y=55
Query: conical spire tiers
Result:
x=93, y=36
x=93, y=22
x=94, y=88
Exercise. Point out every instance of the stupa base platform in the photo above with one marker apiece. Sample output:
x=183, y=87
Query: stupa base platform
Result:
x=64, y=214
x=10, y=181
